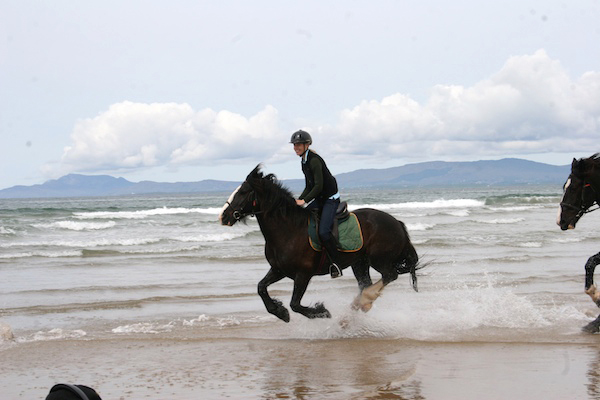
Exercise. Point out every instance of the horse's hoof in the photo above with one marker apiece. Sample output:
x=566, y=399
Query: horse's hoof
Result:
x=363, y=306
x=366, y=307
x=281, y=312
x=284, y=315
x=592, y=327
x=322, y=315
x=321, y=311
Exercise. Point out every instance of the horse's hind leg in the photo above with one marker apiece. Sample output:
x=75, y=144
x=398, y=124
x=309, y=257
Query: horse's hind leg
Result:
x=363, y=277
x=592, y=327
x=590, y=287
x=364, y=301
x=360, y=268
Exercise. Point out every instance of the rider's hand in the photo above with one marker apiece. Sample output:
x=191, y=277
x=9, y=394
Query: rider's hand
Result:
x=300, y=202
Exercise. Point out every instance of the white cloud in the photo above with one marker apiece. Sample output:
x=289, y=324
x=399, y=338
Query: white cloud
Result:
x=135, y=135
x=531, y=105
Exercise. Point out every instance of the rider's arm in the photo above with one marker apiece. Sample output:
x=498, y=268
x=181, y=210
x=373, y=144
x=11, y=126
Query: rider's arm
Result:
x=306, y=189
x=317, y=170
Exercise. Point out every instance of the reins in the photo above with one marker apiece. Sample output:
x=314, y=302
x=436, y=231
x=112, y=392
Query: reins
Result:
x=589, y=209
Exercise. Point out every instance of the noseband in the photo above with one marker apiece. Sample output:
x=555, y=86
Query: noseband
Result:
x=239, y=214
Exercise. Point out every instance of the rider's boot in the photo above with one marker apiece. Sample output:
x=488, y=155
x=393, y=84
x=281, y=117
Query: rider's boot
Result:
x=331, y=249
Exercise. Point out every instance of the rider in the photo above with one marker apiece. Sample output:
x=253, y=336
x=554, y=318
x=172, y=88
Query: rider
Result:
x=321, y=191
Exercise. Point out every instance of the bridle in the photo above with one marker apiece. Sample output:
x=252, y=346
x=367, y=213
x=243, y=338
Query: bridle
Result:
x=239, y=214
x=583, y=209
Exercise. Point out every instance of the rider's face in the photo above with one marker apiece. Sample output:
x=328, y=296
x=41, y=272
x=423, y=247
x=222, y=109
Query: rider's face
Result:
x=300, y=148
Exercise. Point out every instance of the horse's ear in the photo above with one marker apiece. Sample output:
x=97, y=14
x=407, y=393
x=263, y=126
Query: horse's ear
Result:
x=575, y=166
x=255, y=174
x=581, y=168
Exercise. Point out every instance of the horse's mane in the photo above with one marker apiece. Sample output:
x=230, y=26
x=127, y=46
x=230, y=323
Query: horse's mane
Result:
x=275, y=198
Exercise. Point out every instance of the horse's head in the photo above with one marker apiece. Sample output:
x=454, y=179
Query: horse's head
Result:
x=242, y=202
x=260, y=194
x=578, y=193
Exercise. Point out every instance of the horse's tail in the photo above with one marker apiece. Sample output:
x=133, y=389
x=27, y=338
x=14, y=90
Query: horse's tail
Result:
x=410, y=263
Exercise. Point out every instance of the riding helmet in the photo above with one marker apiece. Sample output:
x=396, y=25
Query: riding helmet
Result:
x=301, y=137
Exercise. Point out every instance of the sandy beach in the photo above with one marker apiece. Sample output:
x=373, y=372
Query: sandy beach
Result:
x=304, y=369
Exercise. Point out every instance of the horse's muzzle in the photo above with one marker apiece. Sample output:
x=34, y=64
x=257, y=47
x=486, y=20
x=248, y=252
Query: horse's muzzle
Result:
x=226, y=221
x=563, y=222
x=565, y=225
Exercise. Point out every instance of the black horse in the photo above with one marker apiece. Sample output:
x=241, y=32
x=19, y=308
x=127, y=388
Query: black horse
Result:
x=386, y=248
x=581, y=192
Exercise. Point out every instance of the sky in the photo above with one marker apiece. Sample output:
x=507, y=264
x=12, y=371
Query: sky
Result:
x=187, y=90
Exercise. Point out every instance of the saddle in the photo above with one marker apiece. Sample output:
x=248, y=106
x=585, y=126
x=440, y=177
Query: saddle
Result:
x=341, y=215
x=346, y=230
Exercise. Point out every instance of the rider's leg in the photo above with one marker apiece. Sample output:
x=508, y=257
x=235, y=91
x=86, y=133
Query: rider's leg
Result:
x=325, y=225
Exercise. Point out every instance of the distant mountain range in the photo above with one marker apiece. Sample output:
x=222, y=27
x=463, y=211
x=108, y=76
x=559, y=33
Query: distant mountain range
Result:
x=508, y=171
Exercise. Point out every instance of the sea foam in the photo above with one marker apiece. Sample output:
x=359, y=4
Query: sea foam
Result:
x=440, y=203
x=141, y=214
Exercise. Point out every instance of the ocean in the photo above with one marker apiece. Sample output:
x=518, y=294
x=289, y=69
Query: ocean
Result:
x=161, y=267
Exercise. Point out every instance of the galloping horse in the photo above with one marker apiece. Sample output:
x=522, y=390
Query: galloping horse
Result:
x=581, y=191
x=386, y=248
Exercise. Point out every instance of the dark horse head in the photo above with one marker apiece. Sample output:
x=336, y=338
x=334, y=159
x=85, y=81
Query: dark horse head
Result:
x=258, y=194
x=581, y=191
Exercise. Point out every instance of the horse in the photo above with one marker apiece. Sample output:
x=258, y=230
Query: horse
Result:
x=386, y=246
x=580, y=192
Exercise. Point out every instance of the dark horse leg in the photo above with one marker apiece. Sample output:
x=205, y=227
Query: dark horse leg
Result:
x=590, y=289
x=300, y=284
x=273, y=306
x=360, y=268
x=363, y=277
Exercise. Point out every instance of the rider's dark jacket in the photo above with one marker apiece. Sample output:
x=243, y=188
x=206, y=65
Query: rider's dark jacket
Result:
x=320, y=184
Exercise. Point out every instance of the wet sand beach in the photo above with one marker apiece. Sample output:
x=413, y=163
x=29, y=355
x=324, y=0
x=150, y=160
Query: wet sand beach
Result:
x=305, y=369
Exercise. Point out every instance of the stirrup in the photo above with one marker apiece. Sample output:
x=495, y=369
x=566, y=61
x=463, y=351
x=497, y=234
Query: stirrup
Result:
x=335, y=271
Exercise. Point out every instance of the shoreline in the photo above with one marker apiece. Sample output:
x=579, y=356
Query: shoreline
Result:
x=292, y=368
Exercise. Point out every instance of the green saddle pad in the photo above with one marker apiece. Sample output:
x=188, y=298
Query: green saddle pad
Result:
x=350, y=236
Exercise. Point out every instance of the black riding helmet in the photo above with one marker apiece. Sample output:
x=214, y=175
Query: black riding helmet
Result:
x=301, y=137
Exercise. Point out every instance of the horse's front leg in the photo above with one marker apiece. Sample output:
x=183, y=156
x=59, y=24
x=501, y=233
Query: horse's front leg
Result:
x=590, y=287
x=273, y=306
x=300, y=284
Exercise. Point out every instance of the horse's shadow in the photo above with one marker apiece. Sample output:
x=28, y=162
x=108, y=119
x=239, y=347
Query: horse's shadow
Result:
x=370, y=368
